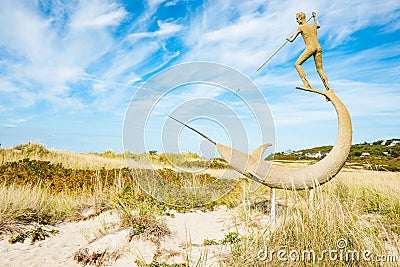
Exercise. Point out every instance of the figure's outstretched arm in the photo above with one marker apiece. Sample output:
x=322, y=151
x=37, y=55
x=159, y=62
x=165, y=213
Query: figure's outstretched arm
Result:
x=293, y=36
x=314, y=15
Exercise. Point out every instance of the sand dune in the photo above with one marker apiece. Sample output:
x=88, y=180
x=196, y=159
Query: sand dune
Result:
x=101, y=237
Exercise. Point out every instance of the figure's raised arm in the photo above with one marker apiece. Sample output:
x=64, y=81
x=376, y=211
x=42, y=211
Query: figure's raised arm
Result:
x=293, y=36
x=314, y=15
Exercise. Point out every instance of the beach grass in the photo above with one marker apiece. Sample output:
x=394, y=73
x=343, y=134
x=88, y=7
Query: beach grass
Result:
x=357, y=211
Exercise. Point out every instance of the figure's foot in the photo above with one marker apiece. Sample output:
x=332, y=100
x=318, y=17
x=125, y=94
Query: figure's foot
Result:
x=306, y=83
x=328, y=89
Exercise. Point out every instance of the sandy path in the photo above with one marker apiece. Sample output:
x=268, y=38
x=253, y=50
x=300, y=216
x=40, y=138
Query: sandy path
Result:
x=56, y=250
x=188, y=231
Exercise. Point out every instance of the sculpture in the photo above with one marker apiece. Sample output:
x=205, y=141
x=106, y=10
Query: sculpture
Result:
x=254, y=167
x=261, y=171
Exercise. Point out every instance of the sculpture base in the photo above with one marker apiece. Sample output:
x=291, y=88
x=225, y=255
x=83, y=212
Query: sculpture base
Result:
x=322, y=92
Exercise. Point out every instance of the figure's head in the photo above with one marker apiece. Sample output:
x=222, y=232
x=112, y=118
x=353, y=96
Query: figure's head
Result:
x=301, y=18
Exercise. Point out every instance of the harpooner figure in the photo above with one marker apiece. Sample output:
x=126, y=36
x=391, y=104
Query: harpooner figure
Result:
x=313, y=48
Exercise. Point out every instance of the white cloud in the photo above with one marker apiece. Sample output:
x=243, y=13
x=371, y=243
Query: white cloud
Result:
x=98, y=13
x=171, y=3
x=153, y=4
x=51, y=59
x=7, y=87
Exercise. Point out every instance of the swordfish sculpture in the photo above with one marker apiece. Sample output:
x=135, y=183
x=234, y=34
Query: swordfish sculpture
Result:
x=265, y=172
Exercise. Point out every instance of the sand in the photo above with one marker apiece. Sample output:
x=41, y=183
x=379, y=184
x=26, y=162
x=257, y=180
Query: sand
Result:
x=102, y=238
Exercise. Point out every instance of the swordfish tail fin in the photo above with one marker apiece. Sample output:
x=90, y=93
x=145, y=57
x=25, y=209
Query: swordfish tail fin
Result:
x=259, y=151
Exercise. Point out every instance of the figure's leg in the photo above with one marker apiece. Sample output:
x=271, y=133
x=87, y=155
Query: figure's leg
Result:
x=303, y=57
x=320, y=70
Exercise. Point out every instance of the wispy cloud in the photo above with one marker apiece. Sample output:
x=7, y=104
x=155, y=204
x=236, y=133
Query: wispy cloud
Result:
x=97, y=14
x=51, y=60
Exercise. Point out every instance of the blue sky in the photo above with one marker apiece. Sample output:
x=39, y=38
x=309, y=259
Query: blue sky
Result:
x=69, y=69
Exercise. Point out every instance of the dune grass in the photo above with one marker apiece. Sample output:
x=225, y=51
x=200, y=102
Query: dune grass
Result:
x=41, y=192
x=23, y=205
x=108, y=159
x=356, y=212
x=360, y=209
x=73, y=160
